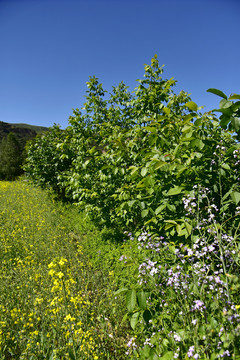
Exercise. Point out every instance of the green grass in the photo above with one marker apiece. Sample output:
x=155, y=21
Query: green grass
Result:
x=57, y=285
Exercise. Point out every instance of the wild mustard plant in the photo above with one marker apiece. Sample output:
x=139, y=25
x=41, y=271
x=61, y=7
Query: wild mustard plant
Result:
x=55, y=303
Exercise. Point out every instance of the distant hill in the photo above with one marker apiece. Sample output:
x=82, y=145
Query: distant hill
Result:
x=23, y=132
x=37, y=129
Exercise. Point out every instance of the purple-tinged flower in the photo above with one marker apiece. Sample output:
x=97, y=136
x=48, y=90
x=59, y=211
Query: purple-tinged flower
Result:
x=177, y=337
x=190, y=351
x=199, y=305
x=226, y=353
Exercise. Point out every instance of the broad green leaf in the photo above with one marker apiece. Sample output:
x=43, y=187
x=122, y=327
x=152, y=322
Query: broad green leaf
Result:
x=134, y=320
x=145, y=351
x=179, y=229
x=188, y=228
x=224, y=121
x=144, y=213
x=142, y=205
x=167, y=356
x=217, y=92
x=133, y=169
x=235, y=197
x=115, y=171
x=131, y=203
x=187, y=118
x=226, y=166
x=235, y=106
x=171, y=207
x=192, y=105
x=131, y=299
x=224, y=104
x=166, y=110
x=234, y=97
x=124, y=318
x=142, y=301
x=149, y=181
x=198, y=122
x=198, y=142
x=144, y=171
x=187, y=127
x=158, y=164
x=235, y=121
x=168, y=226
x=175, y=190
x=170, y=222
x=160, y=208
x=120, y=291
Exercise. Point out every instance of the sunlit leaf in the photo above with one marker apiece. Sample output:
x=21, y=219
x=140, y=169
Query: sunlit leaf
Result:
x=224, y=104
x=134, y=320
x=192, y=105
x=234, y=97
x=235, y=197
x=217, y=92
x=131, y=299
x=175, y=190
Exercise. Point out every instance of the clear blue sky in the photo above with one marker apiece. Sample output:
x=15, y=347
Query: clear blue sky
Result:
x=48, y=50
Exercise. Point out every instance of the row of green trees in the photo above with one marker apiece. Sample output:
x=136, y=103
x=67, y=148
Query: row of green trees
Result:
x=11, y=158
x=129, y=159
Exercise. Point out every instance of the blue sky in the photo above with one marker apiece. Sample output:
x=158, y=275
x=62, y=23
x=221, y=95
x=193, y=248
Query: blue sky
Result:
x=48, y=50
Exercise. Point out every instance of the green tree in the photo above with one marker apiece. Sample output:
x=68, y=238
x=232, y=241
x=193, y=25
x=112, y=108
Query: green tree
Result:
x=10, y=158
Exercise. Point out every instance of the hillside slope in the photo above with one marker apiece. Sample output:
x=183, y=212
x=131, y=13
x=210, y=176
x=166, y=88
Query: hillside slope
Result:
x=23, y=132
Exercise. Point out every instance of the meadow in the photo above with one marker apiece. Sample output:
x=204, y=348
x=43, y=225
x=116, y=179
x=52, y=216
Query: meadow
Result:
x=57, y=282
x=68, y=291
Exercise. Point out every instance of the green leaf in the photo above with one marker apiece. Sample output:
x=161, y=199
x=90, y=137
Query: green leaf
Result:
x=175, y=190
x=145, y=351
x=179, y=229
x=224, y=104
x=235, y=121
x=144, y=171
x=187, y=118
x=158, y=164
x=224, y=121
x=144, y=213
x=160, y=208
x=167, y=356
x=133, y=168
x=226, y=167
x=120, y=291
x=131, y=299
x=192, y=105
x=235, y=197
x=234, y=97
x=188, y=228
x=166, y=110
x=198, y=143
x=142, y=301
x=217, y=92
x=171, y=207
x=131, y=203
x=134, y=320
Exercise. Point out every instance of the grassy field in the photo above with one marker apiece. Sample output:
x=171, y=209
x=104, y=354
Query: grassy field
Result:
x=55, y=301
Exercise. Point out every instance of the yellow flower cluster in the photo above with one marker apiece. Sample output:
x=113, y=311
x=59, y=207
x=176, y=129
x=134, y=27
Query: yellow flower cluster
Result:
x=45, y=311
